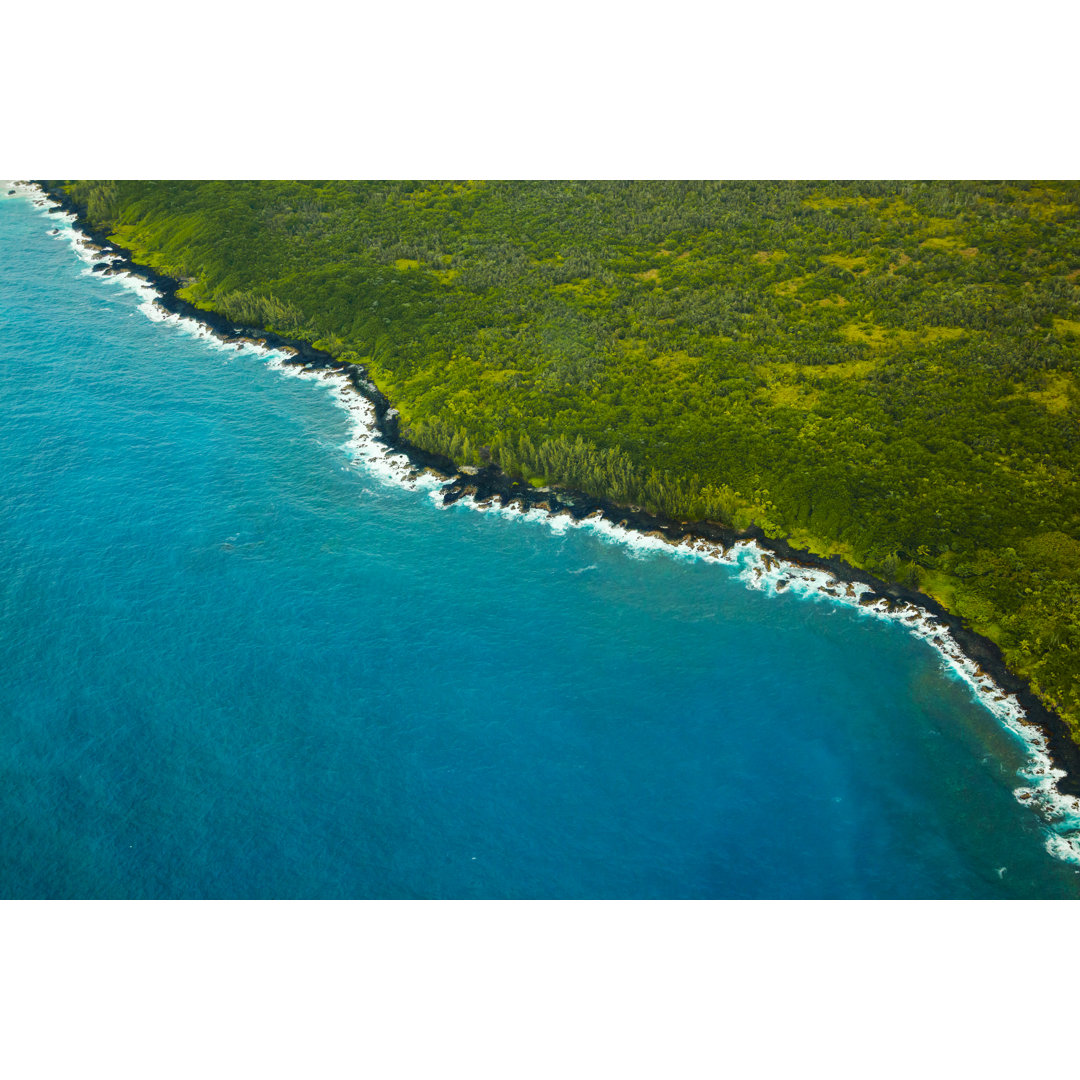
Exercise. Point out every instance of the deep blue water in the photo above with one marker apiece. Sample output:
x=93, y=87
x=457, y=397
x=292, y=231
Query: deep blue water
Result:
x=234, y=663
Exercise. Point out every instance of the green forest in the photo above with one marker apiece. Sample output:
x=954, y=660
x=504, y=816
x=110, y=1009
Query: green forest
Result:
x=887, y=372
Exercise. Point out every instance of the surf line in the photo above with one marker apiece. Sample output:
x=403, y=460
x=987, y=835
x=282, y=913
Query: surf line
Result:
x=761, y=563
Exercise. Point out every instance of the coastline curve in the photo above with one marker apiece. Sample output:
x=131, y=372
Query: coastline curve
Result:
x=1050, y=782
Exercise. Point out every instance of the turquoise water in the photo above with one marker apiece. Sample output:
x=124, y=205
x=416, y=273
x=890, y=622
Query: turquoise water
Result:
x=236, y=663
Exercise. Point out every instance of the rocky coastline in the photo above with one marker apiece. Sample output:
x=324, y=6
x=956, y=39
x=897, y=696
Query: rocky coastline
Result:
x=490, y=485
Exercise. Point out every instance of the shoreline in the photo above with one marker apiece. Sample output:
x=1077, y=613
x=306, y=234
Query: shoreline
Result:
x=980, y=661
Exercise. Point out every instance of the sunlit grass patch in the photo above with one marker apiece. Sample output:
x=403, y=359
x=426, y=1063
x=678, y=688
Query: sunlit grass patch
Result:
x=1057, y=395
x=1045, y=203
x=791, y=286
x=678, y=367
x=848, y=369
x=790, y=395
x=842, y=202
x=943, y=243
x=877, y=337
x=939, y=228
x=441, y=191
x=868, y=333
x=816, y=545
x=940, y=586
x=933, y=333
x=855, y=263
x=588, y=292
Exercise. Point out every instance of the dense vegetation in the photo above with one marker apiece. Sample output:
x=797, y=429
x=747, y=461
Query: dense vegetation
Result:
x=884, y=371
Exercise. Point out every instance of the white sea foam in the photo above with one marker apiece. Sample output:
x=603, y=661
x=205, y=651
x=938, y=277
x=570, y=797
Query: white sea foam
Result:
x=24, y=189
x=365, y=444
x=757, y=568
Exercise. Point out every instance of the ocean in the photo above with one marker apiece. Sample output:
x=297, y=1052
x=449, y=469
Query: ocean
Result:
x=243, y=654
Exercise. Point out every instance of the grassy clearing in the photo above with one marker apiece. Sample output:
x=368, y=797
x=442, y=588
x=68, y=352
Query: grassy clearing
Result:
x=855, y=263
x=816, y=545
x=1058, y=395
x=943, y=243
x=842, y=202
x=879, y=337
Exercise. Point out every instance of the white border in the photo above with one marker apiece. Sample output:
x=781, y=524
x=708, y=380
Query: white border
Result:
x=592, y=88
